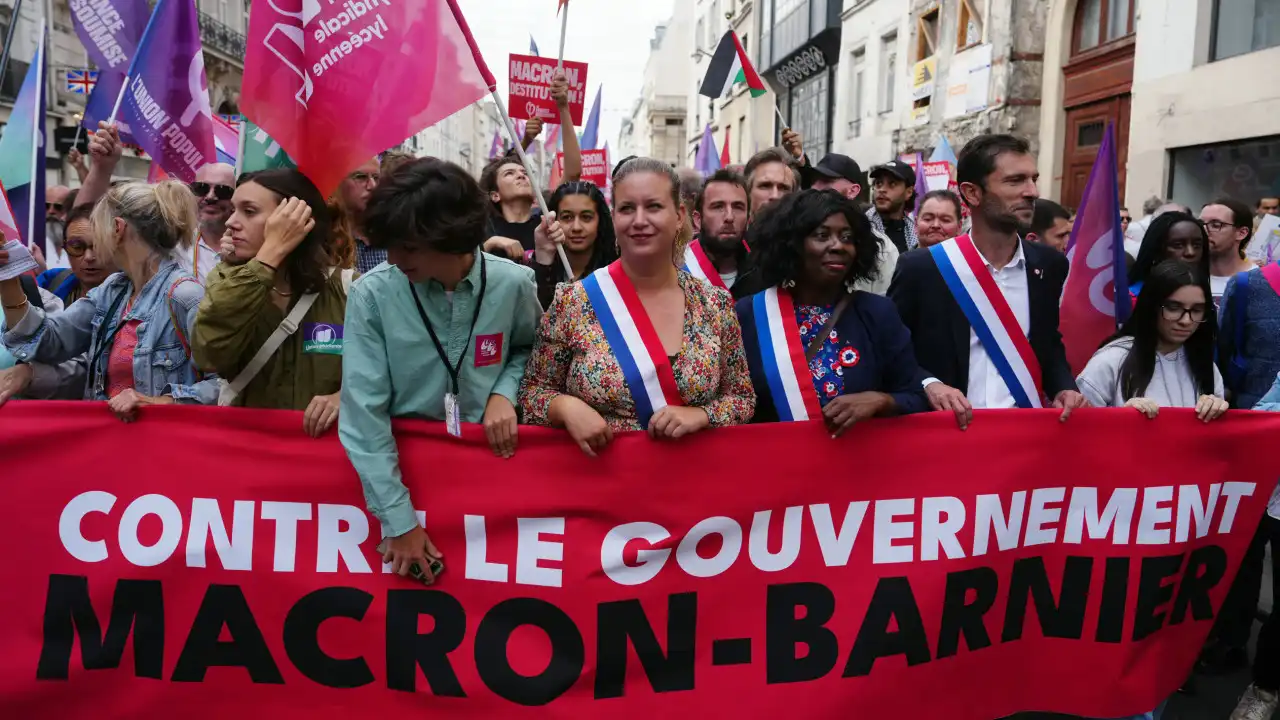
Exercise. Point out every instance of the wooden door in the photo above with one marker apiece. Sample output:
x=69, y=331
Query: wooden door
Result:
x=1086, y=126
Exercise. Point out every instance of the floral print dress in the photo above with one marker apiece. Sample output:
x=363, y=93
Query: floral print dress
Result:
x=827, y=367
x=572, y=357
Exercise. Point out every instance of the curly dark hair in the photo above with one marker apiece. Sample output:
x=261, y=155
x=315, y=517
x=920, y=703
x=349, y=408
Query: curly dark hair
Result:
x=307, y=267
x=431, y=202
x=778, y=234
x=1152, y=251
x=605, y=250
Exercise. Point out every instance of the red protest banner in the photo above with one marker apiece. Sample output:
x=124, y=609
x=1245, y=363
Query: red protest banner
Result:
x=748, y=572
x=595, y=167
x=530, y=88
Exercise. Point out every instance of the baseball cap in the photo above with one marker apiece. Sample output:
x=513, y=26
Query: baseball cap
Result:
x=835, y=166
x=898, y=169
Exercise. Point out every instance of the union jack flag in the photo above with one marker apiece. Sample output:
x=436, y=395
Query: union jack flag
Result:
x=81, y=82
x=231, y=120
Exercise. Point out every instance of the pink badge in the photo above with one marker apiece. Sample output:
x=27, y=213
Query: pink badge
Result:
x=488, y=350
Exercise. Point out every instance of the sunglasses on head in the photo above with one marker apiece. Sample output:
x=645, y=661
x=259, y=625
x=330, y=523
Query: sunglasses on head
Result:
x=221, y=192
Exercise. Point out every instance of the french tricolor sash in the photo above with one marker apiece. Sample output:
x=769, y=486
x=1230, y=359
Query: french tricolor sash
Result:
x=991, y=317
x=697, y=264
x=782, y=356
x=633, y=340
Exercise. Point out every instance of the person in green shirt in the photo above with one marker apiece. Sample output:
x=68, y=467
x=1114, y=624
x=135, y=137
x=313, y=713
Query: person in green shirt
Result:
x=274, y=256
x=441, y=331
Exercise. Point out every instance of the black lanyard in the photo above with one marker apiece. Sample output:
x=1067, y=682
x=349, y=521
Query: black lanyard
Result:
x=444, y=357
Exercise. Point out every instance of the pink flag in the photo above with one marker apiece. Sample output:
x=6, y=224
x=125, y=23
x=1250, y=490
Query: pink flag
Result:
x=8, y=224
x=310, y=71
x=1096, y=297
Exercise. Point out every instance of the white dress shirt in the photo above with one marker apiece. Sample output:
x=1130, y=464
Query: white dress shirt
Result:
x=199, y=259
x=987, y=389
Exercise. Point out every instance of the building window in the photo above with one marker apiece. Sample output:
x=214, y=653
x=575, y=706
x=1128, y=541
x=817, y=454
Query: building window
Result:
x=810, y=101
x=969, y=29
x=1101, y=21
x=888, y=71
x=857, y=74
x=927, y=34
x=1244, y=26
x=1247, y=170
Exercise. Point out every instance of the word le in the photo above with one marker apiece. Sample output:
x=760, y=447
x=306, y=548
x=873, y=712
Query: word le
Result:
x=100, y=19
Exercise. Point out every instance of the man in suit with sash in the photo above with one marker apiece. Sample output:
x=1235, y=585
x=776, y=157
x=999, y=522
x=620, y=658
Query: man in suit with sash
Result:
x=983, y=308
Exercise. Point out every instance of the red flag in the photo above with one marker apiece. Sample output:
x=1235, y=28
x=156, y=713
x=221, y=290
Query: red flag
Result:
x=156, y=174
x=724, y=151
x=1096, y=296
x=308, y=78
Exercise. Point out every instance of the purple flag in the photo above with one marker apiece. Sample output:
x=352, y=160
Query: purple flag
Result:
x=922, y=185
x=708, y=159
x=167, y=100
x=1096, y=297
x=110, y=30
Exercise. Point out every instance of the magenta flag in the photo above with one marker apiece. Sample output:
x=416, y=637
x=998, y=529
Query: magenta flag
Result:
x=1096, y=298
x=336, y=83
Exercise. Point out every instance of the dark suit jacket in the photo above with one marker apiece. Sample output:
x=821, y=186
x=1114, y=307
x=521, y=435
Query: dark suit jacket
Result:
x=940, y=331
x=871, y=326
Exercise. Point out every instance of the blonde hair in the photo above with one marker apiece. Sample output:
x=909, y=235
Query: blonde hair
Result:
x=650, y=166
x=162, y=215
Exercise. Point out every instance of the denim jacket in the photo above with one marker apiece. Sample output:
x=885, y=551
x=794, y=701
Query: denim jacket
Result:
x=161, y=362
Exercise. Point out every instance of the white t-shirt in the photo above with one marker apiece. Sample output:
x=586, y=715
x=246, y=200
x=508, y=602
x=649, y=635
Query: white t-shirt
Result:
x=1218, y=286
x=729, y=278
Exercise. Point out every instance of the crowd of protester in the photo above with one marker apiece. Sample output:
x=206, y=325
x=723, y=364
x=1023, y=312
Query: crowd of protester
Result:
x=420, y=291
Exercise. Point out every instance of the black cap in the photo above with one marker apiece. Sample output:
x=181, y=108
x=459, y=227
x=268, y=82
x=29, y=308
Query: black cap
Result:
x=898, y=169
x=835, y=166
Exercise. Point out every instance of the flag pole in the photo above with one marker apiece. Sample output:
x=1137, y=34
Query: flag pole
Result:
x=115, y=109
x=36, y=130
x=564, y=26
x=240, y=144
x=528, y=168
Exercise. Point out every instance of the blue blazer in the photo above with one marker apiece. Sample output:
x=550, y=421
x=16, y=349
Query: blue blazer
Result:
x=872, y=326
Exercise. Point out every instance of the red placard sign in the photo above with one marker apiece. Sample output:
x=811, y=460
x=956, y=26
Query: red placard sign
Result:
x=530, y=88
x=761, y=571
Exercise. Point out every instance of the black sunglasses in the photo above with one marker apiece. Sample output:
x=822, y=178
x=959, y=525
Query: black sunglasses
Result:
x=221, y=192
x=53, y=207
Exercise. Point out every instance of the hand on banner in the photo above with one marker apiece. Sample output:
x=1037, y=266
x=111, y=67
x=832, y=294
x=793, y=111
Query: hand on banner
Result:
x=846, y=410
x=548, y=236
x=1210, y=408
x=560, y=89
x=532, y=129
x=15, y=381
x=1069, y=400
x=320, y=415
x=505, y=247
x=675, y=421
x=946, y=398
x=288, y=225
x=1146, y=406
x=105, y=145
x=126, y=404
x=500, y=426
x=413, y=547
x=793, y=143
x=582, y=422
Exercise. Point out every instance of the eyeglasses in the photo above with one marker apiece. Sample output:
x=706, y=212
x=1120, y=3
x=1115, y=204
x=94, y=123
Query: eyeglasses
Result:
x=1218, y=225
x=362, y=178
x=75, y=247
x=221, y=192
x=1173, y=312
x=53, y=207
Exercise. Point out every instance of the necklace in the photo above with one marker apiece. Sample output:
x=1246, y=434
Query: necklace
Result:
x=280, y=292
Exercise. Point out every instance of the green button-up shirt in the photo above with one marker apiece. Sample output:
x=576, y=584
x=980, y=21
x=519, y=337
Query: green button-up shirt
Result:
x=390, y=367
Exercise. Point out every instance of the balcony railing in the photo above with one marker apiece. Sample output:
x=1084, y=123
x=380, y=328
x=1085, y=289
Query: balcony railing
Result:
x=217, y=36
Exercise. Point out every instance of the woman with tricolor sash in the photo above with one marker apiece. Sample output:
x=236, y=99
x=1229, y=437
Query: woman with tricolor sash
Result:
x=816, y=346
x=639, y=344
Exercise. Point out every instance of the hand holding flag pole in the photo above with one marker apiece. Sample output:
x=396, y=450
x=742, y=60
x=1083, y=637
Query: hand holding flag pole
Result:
x=506, y=119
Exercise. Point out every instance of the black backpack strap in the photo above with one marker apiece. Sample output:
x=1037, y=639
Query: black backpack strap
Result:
x=32, y=291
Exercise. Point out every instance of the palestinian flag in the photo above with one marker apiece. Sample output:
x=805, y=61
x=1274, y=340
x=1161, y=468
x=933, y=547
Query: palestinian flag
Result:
x=730, y=66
